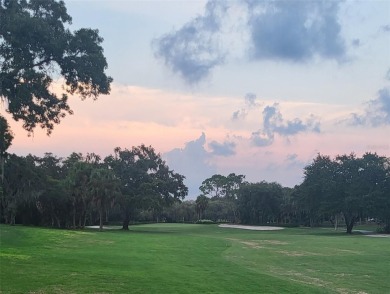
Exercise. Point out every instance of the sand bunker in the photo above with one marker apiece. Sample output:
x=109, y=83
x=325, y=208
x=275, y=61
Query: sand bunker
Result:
x=379, y=236
x=254, y=228
x=104, y=227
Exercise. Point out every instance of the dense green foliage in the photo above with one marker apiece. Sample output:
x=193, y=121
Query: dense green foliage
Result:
x=79, y=191
x=145, y=181
x=354, y=187
x=37, y=47
x=219, y=186
x=6, y=137
x=260, y=203
x=176, y=258
x=136, y=185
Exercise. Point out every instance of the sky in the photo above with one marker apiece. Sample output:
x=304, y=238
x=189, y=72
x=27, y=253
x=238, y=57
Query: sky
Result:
x=250, y=87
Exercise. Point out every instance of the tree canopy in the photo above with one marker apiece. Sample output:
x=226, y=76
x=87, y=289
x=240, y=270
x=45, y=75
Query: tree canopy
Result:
x=145, y=180
x=136, y=185
x=218, y=186
x=346, y=185
x=6, y=137
x=36, y=48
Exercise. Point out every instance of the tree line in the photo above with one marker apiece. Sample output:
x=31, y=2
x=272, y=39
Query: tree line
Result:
x=80, y=190
x=136, y=185
x=346, y=188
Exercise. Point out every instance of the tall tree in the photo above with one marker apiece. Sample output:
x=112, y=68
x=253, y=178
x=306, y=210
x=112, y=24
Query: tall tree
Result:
x=222, y=186
x=6, y=137
x=201, y=204
x=290, y=212
x=36, y=47
x=359, y=183
x=318, y=192
x=104, y=188
x=23, y=183
x=382, y=208
x=214, y=186
x=145, y=179
x=78, y=183
x=259, y=203
x=348, y=185
x=232, y=185
x=53, y=202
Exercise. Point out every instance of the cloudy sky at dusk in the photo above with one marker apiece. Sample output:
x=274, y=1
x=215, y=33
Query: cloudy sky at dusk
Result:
x=251, y=87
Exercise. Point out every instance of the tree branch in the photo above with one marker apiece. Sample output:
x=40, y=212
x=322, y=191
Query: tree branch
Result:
x=47, y=60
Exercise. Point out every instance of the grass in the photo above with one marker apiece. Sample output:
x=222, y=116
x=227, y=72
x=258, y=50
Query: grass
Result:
x=179, y=258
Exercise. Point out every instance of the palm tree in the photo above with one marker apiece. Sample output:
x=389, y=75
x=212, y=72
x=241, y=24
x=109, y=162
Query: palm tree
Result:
x=201, y=204
x=104, y=187
x=78, y=182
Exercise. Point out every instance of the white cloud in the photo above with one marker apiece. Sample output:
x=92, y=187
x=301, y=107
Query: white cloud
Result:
x=277, y=30
x=295, y=30
x=376, y=112
x=193, y=161
x=274, y=123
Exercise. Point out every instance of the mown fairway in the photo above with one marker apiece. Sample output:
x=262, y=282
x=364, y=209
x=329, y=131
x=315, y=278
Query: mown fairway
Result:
x=176, y=258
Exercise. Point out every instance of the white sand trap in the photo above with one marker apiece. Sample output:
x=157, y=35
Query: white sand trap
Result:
x=379, y=236
x=254, y=228
x=104, y=227
x=372, y=234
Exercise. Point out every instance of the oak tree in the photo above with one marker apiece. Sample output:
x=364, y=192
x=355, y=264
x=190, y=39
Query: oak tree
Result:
x=36, y=48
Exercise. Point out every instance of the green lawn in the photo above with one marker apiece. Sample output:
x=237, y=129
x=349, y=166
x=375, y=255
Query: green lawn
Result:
x=179, y=258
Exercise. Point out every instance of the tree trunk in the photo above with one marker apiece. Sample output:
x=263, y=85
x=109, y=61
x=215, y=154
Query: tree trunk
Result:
x=349, y=221
x=2, y=169
x=74, y=218
x=81, y=221
x=101, y=219
x=349, y=227
x=12, y=221
x=6, y=218
x=85, y=220
x=126, y=221
x=58, y=221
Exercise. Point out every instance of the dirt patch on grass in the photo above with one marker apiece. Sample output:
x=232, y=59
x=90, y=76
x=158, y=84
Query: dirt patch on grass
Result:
x=348, y=251
x=347, y=291
x=14, y=256
x=258, y=243
x=305, y=278
x=299, y=253
x=300, y=277
x=274, y=242
x=52, y=289
x=342, y=275
x=250, y=244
